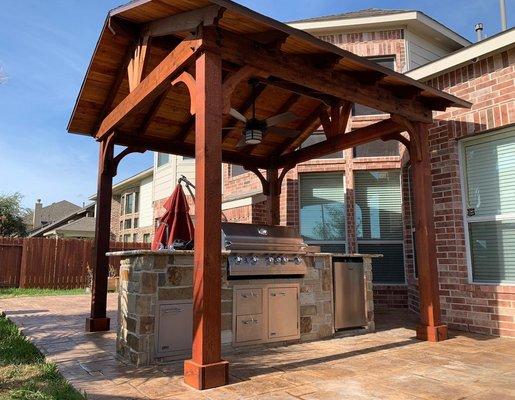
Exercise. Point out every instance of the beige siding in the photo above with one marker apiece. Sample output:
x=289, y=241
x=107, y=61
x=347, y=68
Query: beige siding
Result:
x=164, y=181
x=146, y=207
x=422, y=50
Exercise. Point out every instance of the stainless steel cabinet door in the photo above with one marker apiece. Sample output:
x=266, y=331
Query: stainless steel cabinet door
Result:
x=175, y=331
x=349, y=295
x=283, y=312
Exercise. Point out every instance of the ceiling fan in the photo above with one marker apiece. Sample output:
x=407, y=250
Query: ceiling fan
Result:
x=255, y=129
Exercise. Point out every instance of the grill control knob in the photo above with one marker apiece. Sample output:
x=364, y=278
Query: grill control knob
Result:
x=269, y=260
x=238, y=260
x=297, y=260
x=284, y=260
x=278, y=260
x=254, y=260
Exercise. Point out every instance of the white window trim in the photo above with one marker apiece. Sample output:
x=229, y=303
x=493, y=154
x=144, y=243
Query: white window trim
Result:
x=464, y=191
x=322, y=242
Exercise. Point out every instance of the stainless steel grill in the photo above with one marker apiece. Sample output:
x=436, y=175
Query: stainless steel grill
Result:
x=260, y=250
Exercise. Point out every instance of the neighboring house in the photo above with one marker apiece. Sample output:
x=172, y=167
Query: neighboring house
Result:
x=42, y=216
x=132, y=211
x=79, y=224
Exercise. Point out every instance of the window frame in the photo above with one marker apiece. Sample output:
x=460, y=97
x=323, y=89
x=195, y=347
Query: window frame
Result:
x=385, y=241
x=157, y=160
x=484, y=136
x=322, y=242
x=321, y=132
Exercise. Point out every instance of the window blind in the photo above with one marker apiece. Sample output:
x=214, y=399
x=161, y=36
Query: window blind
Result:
x=378, y=205
x=322, y=206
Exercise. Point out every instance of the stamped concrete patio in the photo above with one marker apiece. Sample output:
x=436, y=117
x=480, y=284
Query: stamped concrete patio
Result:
x=389, y=364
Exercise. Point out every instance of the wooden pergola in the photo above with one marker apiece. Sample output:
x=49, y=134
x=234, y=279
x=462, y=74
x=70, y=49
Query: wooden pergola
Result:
x=165, y=76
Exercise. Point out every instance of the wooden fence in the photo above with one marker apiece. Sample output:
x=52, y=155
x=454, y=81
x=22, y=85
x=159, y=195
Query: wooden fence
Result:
x=51, y=263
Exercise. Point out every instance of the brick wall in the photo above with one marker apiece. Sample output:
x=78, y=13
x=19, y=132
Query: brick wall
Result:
x=490, y=85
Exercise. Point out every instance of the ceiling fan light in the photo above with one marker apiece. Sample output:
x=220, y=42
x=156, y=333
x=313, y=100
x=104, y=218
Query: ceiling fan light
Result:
x=253, y=136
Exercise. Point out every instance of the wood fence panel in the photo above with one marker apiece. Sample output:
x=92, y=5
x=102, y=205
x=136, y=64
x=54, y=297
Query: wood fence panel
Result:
x=51, y=263
x=10, y=261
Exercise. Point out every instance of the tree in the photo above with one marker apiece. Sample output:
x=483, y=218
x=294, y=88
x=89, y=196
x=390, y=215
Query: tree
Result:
x=11, y=215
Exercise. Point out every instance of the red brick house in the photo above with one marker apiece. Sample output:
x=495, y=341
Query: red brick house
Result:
x=359, y=200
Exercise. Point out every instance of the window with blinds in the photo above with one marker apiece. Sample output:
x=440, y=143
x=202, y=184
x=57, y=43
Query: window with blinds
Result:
x=322, y=208
x=378, y=218
x=489, y=193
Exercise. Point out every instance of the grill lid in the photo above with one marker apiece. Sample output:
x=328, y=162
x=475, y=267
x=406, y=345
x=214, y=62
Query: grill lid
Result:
x=251, y=237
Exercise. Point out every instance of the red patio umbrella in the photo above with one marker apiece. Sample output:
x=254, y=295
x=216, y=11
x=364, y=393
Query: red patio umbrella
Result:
x=176, y=222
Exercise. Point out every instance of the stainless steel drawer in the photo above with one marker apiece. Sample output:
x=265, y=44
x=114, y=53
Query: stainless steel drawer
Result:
x=249, y=328
x=249, y=301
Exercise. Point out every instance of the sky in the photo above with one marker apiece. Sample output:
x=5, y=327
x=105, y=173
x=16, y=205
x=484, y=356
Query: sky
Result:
x=45, y=48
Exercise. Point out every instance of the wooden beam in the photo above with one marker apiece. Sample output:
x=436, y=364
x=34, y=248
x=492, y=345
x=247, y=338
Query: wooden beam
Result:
x=179, y=147
x=154, y=109
x=187, y=21
x=340, y=142
x=302, y=71
x=206, y=369
x=273, y=204
x=430, y=327
x=152, y=86
x=302, y=90
x=98, y=320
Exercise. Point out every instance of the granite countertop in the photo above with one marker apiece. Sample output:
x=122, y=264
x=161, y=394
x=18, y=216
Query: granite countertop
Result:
x=134, y=253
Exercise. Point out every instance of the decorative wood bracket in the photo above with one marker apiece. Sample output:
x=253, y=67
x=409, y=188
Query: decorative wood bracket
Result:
x=266, y=184
x=415, y=147
x=187, y=79
x=397, y=136
x=108, y=163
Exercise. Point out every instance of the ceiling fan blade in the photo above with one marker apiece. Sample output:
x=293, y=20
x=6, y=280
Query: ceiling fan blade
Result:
x=239, y=116
x=229, y=128
x=281, y=118
x=289, y=133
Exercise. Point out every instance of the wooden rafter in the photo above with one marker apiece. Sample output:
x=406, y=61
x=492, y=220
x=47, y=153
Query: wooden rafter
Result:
x=311, y=122
x=302, y=71
x=154, y=84
x=137, y=62
x=233, y=79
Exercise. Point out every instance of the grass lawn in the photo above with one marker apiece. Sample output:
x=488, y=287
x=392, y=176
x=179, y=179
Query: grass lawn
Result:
x=18, y=292
x=24, y=374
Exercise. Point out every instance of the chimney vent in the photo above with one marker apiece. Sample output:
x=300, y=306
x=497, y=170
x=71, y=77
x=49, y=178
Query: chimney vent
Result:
x=38, y=210
x=479, y=31
x=504, y=22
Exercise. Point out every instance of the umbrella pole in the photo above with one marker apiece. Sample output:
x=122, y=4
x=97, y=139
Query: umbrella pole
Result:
x=190, y=185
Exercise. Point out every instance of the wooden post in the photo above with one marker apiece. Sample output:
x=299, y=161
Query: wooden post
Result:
x=273, y=216
x=430, y=327
x=98, y=320
x=206, y=369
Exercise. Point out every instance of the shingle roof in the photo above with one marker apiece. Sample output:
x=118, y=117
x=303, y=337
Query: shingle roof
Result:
x=53, y=212
x=85, y=224
x=368, y=12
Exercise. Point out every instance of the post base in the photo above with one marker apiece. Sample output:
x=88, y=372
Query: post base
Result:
x=97, y=324
x=432, y=333
x=206, y=376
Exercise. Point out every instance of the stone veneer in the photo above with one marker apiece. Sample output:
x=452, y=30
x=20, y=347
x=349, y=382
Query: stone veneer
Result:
x=148, y=278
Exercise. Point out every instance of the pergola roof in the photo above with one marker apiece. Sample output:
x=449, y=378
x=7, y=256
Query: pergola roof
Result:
x=165, y=115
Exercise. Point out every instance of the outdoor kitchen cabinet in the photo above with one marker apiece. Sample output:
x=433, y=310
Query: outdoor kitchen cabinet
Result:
x=265, y=313
x=174, y=332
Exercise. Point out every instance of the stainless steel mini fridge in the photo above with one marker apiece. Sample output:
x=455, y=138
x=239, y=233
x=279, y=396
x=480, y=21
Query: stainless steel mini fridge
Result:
x=349, y=294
